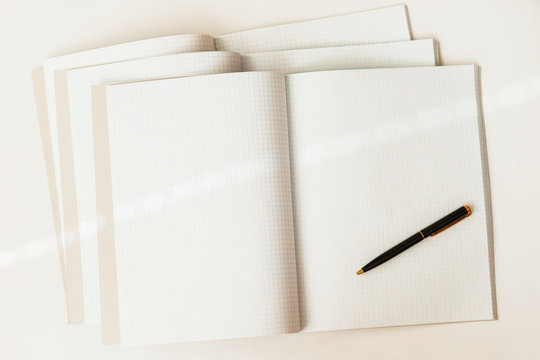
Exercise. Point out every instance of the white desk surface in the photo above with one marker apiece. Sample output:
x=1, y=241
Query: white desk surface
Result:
x=503, y=36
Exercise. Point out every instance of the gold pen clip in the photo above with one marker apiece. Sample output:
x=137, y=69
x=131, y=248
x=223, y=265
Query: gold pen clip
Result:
x=469, y=212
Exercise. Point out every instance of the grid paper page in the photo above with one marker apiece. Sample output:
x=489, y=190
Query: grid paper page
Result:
x=376, y=156
x=74, y=102
x=374, y=26
x=202, y=235
x=395, y=54
x=121, y=52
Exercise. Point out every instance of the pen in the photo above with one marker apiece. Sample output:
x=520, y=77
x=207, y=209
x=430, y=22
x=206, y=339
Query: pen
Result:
x=432, y=230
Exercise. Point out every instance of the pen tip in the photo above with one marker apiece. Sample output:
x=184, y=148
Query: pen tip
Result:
x=360, y=272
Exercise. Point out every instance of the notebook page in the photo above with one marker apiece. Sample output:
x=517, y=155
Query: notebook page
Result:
x=373, y=26
x=127, y=51
x=201, y=234
x=76, y=145
x=395, y=54
x=376, y=156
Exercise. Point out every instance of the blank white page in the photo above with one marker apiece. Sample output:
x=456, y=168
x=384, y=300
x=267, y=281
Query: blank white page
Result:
x=378, y=155
x=193, y=184
x=373, y=26
x=394, y=54
x=47, y=115
x=74, y=113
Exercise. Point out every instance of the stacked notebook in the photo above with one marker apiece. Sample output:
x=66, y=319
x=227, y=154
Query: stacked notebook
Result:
x=208, y=188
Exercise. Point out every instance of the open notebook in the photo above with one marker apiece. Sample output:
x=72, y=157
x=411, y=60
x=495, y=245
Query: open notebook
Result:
x=242, y=204
x=381, y=25
x=74, y=113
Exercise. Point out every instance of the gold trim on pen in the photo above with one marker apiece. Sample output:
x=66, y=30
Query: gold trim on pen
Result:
x=360, y=272
x=423, y=237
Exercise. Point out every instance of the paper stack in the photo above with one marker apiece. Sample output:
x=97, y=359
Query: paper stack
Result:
x=208, y=188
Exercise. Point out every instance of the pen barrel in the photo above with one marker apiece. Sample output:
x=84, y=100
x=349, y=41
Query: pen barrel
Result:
x=394, y=251
x=431, y=230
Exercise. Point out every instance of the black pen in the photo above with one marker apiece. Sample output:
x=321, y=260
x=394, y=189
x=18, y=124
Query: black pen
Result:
x=431, y=230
